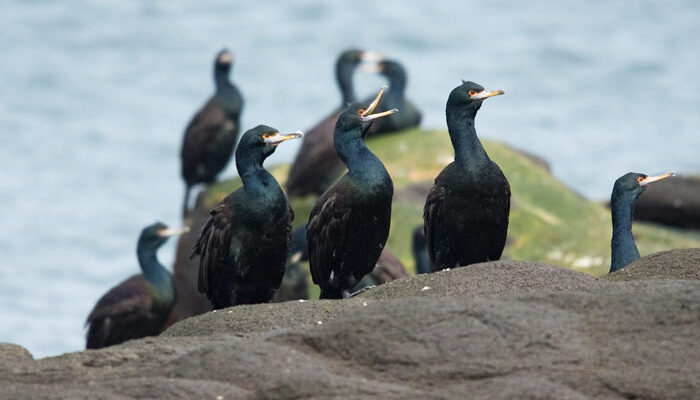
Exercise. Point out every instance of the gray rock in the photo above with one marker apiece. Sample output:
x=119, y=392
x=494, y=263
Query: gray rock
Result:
x=672, y=264
x=497, y=330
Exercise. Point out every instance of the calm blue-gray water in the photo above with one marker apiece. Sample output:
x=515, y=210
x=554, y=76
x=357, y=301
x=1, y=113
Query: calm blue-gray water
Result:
x=94, y=97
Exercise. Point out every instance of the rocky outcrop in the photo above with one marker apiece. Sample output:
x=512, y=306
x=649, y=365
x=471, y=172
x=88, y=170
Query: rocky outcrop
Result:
x=673, y=264
x=496, y=330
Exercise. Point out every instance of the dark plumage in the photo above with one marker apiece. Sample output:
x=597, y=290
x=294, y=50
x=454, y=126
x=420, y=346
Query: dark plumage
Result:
x=316, y=165
x=466, y=212
x=294, y=283
x=420, y=251
x=211, y=135
x=140, y=305
x=624, y=196
x=349, y=224
x=244, y=244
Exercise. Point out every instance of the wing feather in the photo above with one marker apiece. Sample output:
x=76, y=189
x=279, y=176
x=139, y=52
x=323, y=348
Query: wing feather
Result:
x=431, y=214
x=213, y=246
x=326, y=231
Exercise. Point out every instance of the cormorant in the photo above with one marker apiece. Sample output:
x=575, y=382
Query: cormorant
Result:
x=316, y=165
x=244, y=243
x=625, y=192
x=349, y=224
x=409, y=116
x=466, y=213
x=211, y=135
x=420, y=251
x=140, y=305
x=294, y=282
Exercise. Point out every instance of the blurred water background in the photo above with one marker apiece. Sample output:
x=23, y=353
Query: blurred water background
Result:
x=94, y=97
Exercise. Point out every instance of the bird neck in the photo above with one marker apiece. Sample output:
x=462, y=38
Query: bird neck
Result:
x=225, y=90
x=257, y=181
x=623, y=248
x=467, y=147
x=397, y=87
x=221, y=74
x=358, y=158
x=343, y=74
x=155, y=273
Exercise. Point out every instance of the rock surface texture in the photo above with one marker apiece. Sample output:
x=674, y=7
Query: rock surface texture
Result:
x=498, y=330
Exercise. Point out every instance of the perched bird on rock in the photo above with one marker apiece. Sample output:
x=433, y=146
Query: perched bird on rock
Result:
x=244, y=243
x=624, y=196
x=349, y=225
x=466, y=212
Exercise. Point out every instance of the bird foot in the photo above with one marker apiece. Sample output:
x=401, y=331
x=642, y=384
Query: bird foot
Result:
x=347, y=295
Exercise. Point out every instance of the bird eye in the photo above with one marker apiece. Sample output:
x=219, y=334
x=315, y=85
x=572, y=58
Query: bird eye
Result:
x=267, y=135
x=360, y=111
x=640, y=179
x=472, y=92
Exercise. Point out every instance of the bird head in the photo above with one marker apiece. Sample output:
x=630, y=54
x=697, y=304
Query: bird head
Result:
x=260, y=142
x=353, y=57
x=155, y=235
x=222, y=63
x=224, y=58
x=386, y=67
x=470, y=95
x=357, y=118
x=632, y=184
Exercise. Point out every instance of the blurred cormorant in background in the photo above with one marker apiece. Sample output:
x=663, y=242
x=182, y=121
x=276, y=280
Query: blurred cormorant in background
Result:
x=316, y=165
x=140, y=305
x=211, y=135
x=420, y=251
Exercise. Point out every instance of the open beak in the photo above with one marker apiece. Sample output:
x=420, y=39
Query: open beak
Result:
x=278, y=138
x=173, y=231
x=650, y=179
x=485, y=94
x=367, y=115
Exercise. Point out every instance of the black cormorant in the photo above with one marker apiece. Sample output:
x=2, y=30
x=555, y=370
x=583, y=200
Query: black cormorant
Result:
x=316, y=165
x=211, y=135
x=140, y=305
x=466, y=212
x=625, y=192
x=420, y=251
x=244, y=243
x=349, y=224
